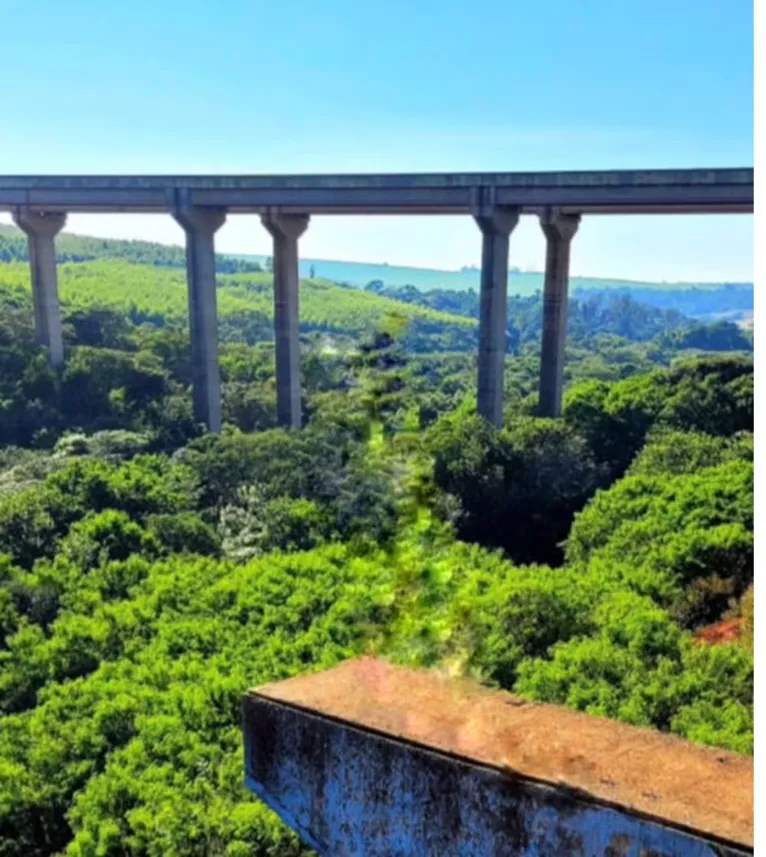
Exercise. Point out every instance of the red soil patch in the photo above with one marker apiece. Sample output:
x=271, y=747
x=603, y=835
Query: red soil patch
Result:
x=726, y=631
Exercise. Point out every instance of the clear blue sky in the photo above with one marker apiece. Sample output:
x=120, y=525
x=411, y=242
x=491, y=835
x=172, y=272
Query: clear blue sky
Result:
x=245, y=86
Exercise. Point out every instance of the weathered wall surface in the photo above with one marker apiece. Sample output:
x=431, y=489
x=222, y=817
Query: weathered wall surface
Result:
x=355, y=776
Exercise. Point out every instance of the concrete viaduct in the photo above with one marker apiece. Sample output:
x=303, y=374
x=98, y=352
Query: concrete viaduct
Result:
x=39, y=205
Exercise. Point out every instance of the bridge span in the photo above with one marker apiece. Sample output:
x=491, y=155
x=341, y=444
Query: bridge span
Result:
x=200, y=204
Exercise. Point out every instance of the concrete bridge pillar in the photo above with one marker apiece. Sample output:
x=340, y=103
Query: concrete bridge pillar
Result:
x=41, y=229
x=286, y=229
x=496, y=224
x=200, y=226
x=559, y=229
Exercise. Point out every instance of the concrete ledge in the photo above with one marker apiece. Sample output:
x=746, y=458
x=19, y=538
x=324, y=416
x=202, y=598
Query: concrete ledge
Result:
x=372, y=759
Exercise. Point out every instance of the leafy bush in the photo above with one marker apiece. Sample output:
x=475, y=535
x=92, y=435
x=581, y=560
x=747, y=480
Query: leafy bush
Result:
x=518, y=488
x=105, y=536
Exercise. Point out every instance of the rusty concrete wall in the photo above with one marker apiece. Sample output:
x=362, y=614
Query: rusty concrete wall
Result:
x=349, y=792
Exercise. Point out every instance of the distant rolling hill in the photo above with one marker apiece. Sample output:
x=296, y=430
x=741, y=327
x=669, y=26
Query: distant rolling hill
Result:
x=732, y=298
x=156, y=294
x=426, y=279
x=730, y=301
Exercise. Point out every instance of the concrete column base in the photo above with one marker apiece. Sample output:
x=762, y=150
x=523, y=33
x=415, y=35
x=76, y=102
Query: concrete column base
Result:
x=286, y=230
x=41, y=229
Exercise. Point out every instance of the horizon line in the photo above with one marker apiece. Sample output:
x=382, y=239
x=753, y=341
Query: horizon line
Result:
x=453, y=271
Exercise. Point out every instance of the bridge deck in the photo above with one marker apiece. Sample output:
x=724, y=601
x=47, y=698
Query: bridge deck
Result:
x=607, y=192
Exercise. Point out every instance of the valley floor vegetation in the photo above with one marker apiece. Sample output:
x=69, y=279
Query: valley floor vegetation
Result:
x=150, y=573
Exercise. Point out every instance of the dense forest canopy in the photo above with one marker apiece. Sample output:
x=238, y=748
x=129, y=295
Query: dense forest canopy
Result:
x=639, y=315
x=726, y=299
x=150, y=572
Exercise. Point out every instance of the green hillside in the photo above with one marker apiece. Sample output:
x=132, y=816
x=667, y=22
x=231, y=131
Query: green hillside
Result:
x=84, y=248
x=145, y=293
